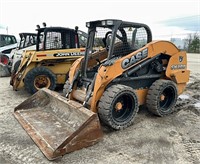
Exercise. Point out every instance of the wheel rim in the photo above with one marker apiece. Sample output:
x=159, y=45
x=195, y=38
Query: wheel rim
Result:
x=167, y=98
x=42, y=81
x=4, y=60
x=123, y=107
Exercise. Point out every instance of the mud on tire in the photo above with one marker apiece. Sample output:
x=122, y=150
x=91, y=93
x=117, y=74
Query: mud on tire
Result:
x=162, y=97
x=38, y=78
x=118, y=106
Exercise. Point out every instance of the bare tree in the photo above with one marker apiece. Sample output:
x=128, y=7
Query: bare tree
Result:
x=192, y=43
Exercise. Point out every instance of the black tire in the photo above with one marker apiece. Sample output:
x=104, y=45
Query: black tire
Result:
x=13, y=72
x=38, y=78
x=66, y=87
x=16, y=66
x=162, y=97
x=118, y=106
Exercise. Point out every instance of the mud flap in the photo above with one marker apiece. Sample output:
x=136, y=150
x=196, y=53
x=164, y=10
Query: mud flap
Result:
x=58, y=125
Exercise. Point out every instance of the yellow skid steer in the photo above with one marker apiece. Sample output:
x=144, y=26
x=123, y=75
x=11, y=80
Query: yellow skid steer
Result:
x=48, y=65
x=108, y=85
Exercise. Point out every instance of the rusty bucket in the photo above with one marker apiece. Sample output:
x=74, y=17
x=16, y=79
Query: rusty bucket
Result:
x=58, y=125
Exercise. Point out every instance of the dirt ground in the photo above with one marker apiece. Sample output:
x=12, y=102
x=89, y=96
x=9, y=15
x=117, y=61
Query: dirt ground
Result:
x=152, y=139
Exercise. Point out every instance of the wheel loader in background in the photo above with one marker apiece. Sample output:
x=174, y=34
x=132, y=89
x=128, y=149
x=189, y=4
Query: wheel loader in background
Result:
x=106, y=86
x=47, y=66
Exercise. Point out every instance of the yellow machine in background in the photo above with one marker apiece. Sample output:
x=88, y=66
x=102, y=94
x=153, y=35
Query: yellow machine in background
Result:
x=47, y=66
x=131, y=70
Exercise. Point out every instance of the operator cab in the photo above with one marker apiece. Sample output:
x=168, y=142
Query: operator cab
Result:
x=52, y=38
x=115, y=39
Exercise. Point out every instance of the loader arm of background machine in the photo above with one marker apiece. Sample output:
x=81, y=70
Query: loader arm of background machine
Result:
x=17, y=77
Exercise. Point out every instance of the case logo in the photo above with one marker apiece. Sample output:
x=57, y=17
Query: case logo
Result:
x=134, y=59
x=180, y=58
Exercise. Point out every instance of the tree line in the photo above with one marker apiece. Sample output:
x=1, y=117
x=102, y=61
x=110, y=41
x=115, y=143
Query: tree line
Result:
x=192, y=43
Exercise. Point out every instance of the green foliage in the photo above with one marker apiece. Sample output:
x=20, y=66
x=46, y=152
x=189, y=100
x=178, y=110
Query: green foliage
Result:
x=192, y=43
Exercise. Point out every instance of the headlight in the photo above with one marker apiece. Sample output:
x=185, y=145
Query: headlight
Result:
x=103, y=23
x=107, y=22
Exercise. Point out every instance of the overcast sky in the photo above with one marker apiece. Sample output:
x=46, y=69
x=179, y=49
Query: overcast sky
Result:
x=166, y=18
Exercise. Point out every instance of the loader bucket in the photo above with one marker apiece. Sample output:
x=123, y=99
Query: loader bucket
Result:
x=58, y=125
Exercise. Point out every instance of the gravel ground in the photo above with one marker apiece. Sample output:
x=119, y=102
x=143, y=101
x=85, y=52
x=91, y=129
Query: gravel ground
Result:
x=171, y=139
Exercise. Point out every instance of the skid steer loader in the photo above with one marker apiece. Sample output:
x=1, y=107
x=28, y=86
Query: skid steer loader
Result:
x=131, y=70
x=47, y=66
x=27, y=42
